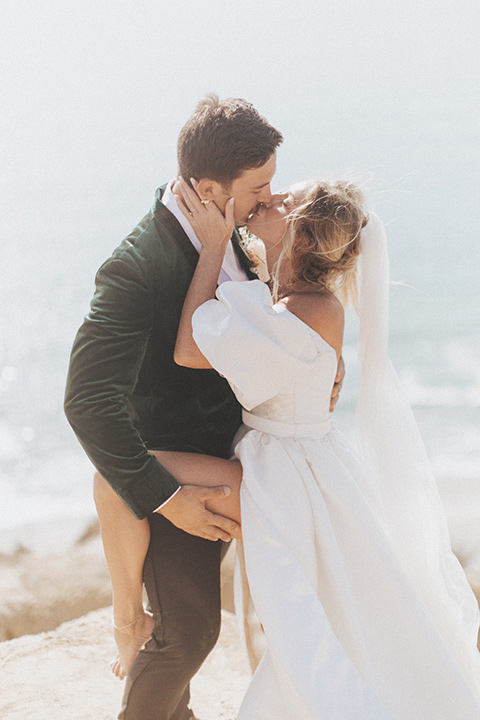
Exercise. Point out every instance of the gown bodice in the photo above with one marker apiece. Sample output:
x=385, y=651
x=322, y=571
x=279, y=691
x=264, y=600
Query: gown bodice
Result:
x=280, y=369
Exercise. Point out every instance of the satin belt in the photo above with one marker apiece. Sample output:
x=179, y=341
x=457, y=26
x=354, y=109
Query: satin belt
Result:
x=286, y=429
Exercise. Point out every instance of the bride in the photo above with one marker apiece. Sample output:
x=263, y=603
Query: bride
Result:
x=366, y=612
x=363, y=609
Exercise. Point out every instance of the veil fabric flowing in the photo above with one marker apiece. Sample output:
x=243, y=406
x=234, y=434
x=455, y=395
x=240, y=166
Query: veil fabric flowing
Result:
x=401, y=476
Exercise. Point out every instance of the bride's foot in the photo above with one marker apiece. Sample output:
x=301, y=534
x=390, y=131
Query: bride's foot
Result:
x=129, y=640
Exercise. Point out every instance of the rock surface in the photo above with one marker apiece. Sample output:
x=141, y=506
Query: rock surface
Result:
x=39, y=593
x=65, y=673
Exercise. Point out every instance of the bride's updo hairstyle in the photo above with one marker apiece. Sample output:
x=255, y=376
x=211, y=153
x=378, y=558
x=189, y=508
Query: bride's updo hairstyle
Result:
x=322, y=242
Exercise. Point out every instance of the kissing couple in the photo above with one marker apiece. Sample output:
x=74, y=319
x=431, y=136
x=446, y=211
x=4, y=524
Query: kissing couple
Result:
x=204, y=396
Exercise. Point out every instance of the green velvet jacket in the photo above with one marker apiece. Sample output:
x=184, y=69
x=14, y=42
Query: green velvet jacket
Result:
x=125, y=395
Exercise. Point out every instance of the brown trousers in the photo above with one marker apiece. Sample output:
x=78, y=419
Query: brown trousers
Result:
x=182, y=578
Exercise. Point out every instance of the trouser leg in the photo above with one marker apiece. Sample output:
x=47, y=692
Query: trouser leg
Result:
x=182, y=577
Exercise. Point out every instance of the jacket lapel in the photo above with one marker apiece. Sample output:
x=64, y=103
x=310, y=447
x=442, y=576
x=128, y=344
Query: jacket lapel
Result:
x=165, y=218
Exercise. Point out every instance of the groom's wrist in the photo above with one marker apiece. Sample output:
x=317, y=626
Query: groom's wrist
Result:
x=168, y=500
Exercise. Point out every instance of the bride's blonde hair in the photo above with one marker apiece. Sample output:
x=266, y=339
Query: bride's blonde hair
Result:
x=322, y=241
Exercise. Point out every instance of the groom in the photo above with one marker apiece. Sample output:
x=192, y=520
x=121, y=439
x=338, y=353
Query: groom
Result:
x=125, y=397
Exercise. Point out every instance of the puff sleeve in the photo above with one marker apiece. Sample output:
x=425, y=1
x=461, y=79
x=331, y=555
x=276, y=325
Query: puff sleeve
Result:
x=256, y=346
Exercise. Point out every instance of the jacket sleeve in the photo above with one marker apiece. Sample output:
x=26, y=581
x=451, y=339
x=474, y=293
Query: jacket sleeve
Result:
x=106, y=358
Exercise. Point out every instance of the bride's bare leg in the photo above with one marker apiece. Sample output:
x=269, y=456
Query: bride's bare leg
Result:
x=206, y=471
x=125, y=541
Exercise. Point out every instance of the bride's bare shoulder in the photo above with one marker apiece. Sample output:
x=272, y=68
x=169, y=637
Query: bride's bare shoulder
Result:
x=323, y=312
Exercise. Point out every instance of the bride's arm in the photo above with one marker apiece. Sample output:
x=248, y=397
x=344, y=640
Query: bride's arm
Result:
x=202, y=288
x=214, y=232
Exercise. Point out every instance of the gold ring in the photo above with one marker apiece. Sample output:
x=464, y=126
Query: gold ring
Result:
x=205, y=202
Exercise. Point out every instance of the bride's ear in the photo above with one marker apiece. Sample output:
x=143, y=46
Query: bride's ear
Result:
x=208, y=189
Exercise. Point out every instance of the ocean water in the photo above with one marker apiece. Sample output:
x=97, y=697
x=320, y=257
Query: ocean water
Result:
x=93, y=99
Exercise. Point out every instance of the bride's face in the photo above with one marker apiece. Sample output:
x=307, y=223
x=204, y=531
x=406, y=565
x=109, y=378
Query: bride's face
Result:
x=269, y=222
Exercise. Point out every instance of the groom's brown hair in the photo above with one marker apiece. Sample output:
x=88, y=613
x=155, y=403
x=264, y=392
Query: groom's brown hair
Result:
x=222, y=139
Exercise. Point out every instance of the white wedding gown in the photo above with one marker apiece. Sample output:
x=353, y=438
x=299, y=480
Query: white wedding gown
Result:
x=350, y=632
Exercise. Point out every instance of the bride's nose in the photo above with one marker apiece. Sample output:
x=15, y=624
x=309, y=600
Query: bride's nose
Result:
x=277, y=198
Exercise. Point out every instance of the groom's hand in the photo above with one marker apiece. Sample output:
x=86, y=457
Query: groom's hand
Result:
x=187, y=511
x=338, y=384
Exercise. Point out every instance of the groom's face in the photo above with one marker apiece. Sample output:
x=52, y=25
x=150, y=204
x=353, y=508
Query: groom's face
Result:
x=250, y=190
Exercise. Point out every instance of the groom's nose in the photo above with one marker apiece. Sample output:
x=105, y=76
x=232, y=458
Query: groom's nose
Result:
x=265, y=196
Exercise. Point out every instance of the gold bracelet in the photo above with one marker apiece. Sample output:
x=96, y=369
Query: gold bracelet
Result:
x=123, y=627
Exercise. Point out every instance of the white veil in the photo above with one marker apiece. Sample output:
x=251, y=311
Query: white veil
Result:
x=401, y=476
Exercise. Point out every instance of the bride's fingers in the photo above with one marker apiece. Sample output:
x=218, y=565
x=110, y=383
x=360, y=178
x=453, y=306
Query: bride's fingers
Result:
x=208, y=222
x=190, y=195
x=230, y=212
x=195, y=187
x=184, y=203
x=182, y=206
x=195, y=202
x=187, y=200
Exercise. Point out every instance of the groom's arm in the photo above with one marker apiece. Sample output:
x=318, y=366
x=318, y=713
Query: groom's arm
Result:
x=104, y=366
x=106, y=358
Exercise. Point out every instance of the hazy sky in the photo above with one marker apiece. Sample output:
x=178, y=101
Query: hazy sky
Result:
x=85, y=80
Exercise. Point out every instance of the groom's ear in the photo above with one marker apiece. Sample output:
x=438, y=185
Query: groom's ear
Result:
x=209, y=189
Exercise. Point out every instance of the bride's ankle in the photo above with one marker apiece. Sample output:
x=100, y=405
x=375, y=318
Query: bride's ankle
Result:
x=127, y=625
x=127, y=620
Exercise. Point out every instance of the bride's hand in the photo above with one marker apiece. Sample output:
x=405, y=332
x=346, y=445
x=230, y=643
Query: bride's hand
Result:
x=212, y=229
